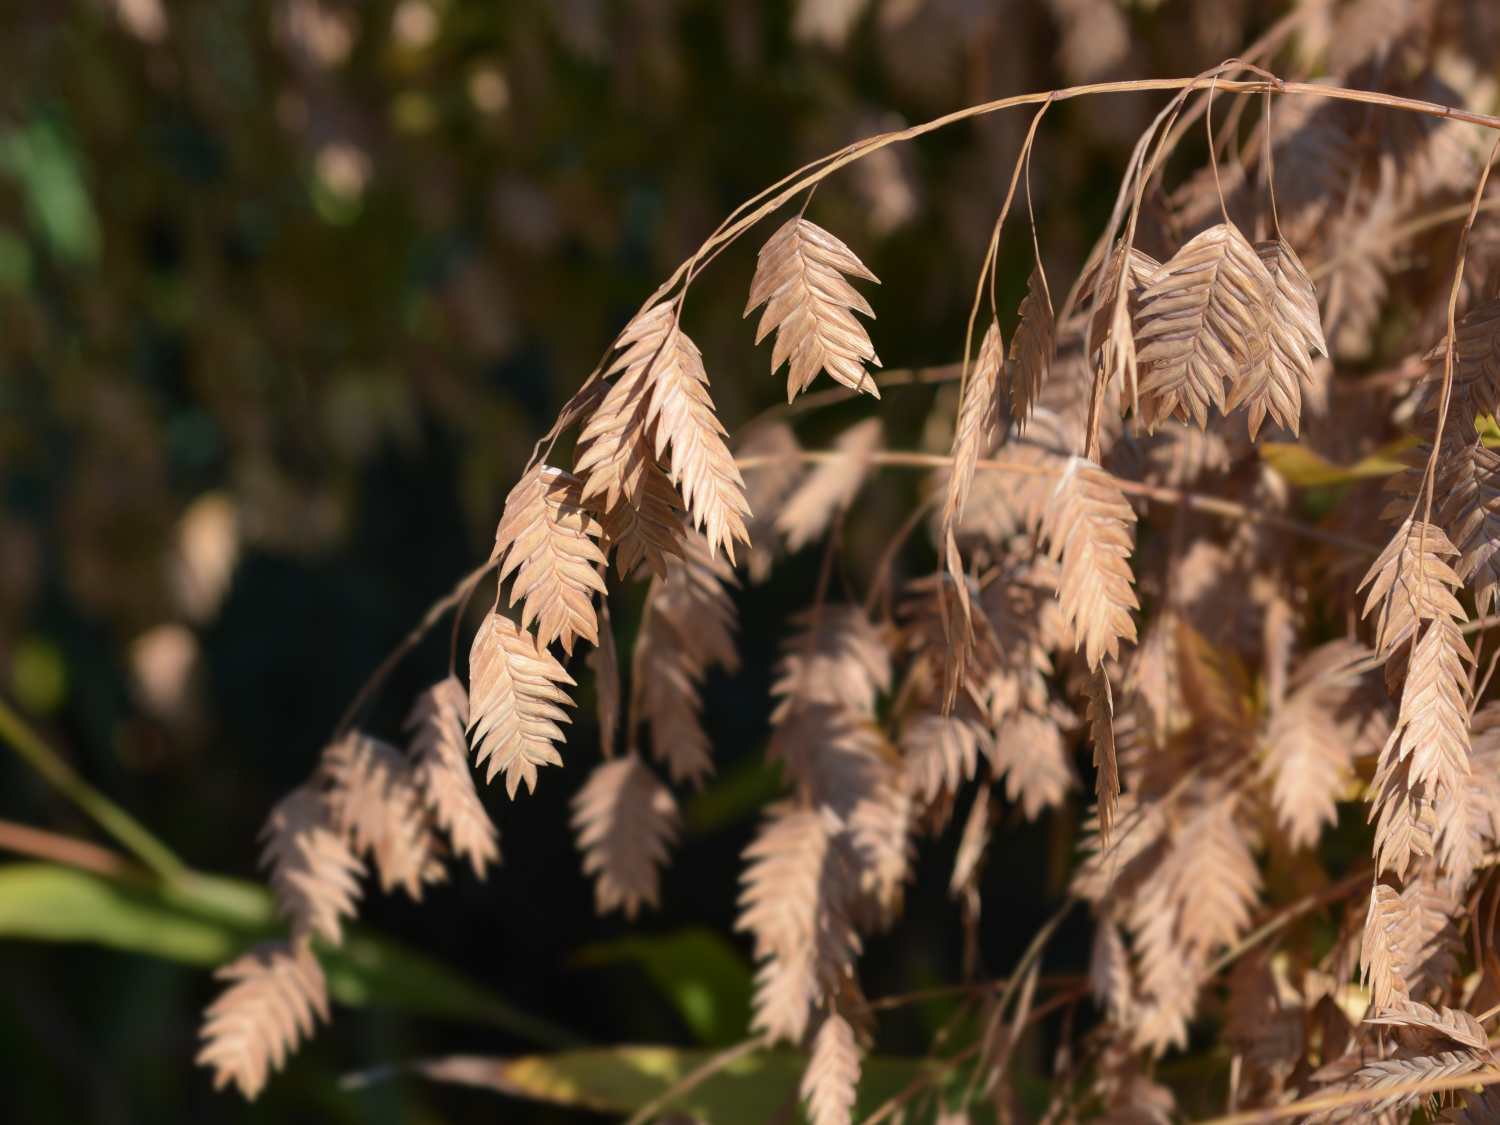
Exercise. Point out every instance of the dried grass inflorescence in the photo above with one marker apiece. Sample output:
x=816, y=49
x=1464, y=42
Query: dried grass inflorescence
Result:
x=1120, y=577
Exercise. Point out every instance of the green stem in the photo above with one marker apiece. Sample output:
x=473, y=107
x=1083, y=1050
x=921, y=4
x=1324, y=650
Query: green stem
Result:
x=131, y=833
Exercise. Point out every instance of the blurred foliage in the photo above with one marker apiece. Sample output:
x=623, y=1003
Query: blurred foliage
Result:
x=707, y=979
x=206, y=921
x=288, y=288
x=750, y=1090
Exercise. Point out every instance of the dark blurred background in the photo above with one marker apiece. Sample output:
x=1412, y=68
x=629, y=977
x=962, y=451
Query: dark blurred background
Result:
x=288, y=289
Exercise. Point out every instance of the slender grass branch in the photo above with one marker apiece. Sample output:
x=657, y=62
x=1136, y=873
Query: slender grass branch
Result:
x=451, y=600
x=1211, y=505
x=772, y=198
x=1321, y=1102
x=38, y=843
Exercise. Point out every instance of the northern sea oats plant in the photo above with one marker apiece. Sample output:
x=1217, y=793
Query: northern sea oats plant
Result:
x=1152, y=546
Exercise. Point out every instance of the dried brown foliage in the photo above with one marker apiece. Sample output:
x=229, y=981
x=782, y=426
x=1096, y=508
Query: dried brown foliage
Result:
x=1088, y=529
x=1280, y=365
x=625, y=820
x=546, y=539
x=439, y=754
x=275, y=998
x=312, y=871
x=516, y=703
x=1204, y=316
x=798, y=889
x=689, y=629
x=1031, y=348
x=374, y=803
x=832, y=1076
x=980, y=418
x=1087, y=492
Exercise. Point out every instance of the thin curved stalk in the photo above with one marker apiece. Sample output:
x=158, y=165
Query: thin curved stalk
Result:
x=764, y=203
x=451, y=600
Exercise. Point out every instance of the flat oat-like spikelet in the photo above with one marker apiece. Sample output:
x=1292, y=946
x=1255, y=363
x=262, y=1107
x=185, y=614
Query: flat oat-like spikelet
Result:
x=646, y=528
x=314, y=876
x=375, y=803
x=941, y=752
x=832, y=1077
x=999, y=505
x=1467, y=486
x=1476, y=356
x=275, y=998
x=1088, y=529
x=1468, y=481
x=1432, y=727
x=695, y=599
x=1410, y=583
x=1101, y=717
x=625, y=822
x=810, y=305
x=682, y=417
x=1313, y=737
x=767, y=485
x=1432, y=902
x=1425, y=762
x=668, y=685
x=1273, y=381
x=516, y=702
x=1453, y=1024
x=843, y=762
x=794, y=903
x=831, y=486
x=1198, y=898
x=1139, y=266
x=1202, y=318
x=614, y=449
x=439, y=754
x=1031, y=349
x=1002, y=504
x=1215, y=882
x=1405, y=816
x=1484, y=772
x=951, y=643
x=1021, y=614
x=1169, y=974
x=617, y=460
x=546, y=539
x=1112, y=870
x=1030, y=754
x=836, y=656
x=979, y=422
x=688, y=627
x=1405, y=1067
x=1383, y=952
